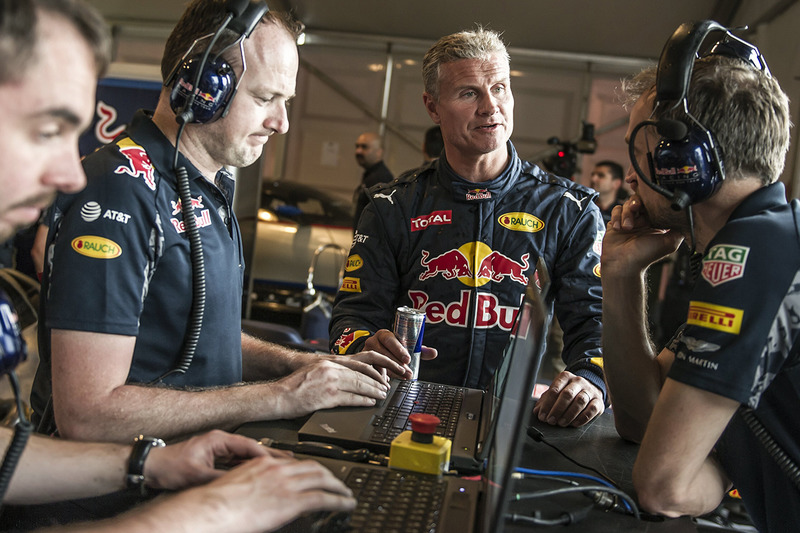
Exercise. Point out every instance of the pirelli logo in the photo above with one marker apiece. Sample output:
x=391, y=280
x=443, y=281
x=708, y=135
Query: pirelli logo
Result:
x=351, y=285
x=716, y=317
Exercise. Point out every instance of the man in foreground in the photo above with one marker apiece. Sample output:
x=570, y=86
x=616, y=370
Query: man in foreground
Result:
x=735, y=360
x=51, y=54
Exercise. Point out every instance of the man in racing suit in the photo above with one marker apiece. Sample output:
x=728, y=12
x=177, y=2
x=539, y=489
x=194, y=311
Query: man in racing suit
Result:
x=460, y=238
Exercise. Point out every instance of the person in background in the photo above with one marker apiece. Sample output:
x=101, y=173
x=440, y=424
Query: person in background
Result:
x=606, y=179
x=460, y=238
x=51, y=54
x=369, y=156
x=718, y=406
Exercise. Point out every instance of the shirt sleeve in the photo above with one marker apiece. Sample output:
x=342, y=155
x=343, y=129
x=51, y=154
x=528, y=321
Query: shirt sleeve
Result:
x=102, y=252
x=579, y=296
x=738, y=335
x=366, y=299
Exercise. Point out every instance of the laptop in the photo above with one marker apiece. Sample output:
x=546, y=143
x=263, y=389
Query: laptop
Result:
x=467, y=415
x=412, y=501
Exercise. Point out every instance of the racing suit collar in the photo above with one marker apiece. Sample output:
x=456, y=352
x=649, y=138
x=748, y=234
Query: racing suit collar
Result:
x=470, y=192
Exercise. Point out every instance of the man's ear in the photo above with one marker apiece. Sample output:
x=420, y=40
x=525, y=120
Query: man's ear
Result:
x=430, y=107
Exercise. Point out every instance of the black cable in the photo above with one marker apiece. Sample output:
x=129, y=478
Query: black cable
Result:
x=361, y=455
x=785, y=463
x=195, y=323
x=590, y=490
x=22, y=432
x=197, y=311
x=564, y=519
x=538, y=436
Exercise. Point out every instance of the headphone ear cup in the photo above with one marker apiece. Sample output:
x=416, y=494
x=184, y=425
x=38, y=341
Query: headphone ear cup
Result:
x=214, y=90
x=13, y=350
x=674, y=130
x=687, y=165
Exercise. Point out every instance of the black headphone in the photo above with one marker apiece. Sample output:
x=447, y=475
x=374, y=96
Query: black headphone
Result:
x=203, y=88
x=686, y=165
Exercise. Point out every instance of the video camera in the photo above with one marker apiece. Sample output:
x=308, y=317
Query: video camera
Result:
x=563, y=161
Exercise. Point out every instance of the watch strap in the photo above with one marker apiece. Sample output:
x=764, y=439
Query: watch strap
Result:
x=141, y=449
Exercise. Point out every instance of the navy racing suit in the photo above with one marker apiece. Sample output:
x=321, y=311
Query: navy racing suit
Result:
x=464, y=252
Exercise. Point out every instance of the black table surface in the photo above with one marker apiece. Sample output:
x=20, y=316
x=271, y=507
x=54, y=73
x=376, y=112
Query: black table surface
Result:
x=596, y=445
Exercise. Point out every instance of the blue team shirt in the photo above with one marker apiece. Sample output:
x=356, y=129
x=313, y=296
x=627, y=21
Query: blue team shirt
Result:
x=121, y=263
x=740, y=342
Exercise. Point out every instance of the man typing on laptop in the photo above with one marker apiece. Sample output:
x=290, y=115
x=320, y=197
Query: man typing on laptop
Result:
x=460, y=236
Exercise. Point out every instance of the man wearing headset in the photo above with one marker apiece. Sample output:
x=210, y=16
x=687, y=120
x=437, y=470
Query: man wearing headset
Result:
x=51, y=53
x=118, y=280
x=735, y=359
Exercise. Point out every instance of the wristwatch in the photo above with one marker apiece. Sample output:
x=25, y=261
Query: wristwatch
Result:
x=141, y=448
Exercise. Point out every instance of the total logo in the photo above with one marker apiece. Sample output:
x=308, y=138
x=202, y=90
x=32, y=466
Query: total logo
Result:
x=139, y=165
x=474, y=264
x=436, y=218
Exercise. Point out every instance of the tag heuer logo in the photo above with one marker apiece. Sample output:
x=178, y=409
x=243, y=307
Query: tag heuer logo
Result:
x=724, y=262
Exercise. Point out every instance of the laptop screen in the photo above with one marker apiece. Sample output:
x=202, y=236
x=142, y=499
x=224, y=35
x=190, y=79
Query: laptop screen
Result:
x=512, y=405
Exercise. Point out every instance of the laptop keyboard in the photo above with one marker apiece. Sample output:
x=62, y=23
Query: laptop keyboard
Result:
x=412, y=397
x=390, y=500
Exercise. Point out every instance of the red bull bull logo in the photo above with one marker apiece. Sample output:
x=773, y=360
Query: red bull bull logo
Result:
x=451, y=264
x=474, y=264
x=197, y=203
x=497, y=266
x=139, y=165
x=347, y=338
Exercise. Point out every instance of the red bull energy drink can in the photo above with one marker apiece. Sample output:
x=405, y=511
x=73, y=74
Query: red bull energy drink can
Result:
x=409, y=325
